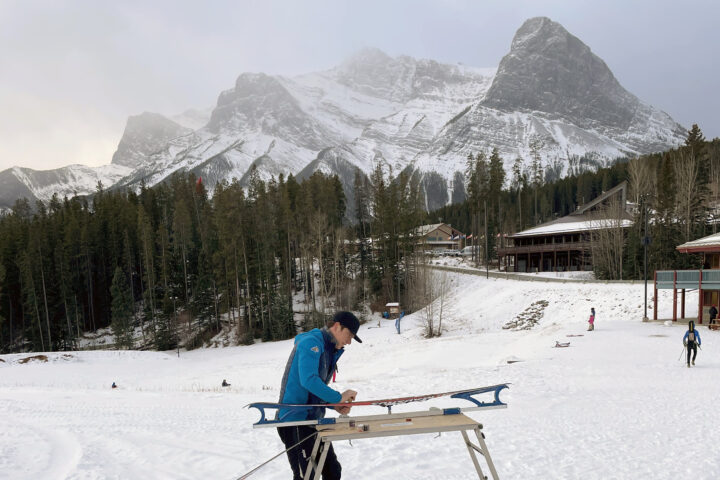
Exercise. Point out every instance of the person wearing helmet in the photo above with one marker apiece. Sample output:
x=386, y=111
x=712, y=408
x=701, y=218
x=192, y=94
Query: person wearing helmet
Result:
x=691, y=340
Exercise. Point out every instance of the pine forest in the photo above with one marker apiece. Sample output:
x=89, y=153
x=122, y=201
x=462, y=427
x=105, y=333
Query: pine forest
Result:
x=181, y=266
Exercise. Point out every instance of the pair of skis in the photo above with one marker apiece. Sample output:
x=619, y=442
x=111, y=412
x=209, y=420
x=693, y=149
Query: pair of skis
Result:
x=469, y=394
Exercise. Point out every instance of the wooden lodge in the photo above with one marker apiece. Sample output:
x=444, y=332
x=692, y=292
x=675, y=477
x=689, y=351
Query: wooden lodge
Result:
x=563, y=244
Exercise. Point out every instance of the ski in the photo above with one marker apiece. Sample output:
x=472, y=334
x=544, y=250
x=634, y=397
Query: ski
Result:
x=561, y=344
x=386, y=402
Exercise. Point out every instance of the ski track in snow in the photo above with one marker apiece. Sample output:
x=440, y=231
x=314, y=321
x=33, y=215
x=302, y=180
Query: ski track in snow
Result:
x=616, y=404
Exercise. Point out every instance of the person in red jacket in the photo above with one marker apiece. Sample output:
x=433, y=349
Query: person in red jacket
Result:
x=591, y=320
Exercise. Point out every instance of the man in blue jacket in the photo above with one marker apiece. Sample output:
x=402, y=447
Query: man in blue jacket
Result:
x=308, y=371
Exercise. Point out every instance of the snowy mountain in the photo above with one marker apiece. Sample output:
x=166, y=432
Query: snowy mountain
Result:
x=145, y=135
x=18, y=182
x=404, y=113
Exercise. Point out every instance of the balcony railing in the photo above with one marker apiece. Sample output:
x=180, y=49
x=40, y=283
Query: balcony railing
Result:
x=545, y=247
x=688, y=279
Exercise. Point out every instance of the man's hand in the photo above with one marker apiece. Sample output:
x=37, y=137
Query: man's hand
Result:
x=347, y=396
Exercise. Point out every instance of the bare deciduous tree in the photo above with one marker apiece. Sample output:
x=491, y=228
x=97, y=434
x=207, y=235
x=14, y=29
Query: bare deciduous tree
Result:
x=606, y=241
x=686, y=168
x=434, y=293
x=713, y=150
x=642, y=179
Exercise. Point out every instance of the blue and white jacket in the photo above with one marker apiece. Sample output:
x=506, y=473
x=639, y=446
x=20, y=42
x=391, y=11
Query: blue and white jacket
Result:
x=697, y=337
x=308, y=371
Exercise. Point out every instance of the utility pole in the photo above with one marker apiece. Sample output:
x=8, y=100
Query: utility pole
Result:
x=645, y=242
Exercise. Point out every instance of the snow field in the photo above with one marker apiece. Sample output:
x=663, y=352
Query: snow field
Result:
x=617, y=403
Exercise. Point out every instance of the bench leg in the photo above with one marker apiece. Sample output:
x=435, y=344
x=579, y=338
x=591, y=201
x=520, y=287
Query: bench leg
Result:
x=471, y=449
x=321, y=462
x=486, y=453
x=311, y=461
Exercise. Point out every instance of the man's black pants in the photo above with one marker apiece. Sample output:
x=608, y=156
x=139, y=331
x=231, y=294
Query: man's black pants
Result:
x=298, y=456
x=691, y=347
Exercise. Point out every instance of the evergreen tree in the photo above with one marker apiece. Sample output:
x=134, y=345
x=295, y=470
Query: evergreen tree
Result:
x=496, y=181
x=695, y=139
x=519, y=184
x=122, y=310
x=665, y=232
x=478, y=181
x=536, y=146
x=2, y=319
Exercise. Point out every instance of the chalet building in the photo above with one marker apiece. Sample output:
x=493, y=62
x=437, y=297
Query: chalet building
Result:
x=705, y=280
x=564, y=244
x=439, y=236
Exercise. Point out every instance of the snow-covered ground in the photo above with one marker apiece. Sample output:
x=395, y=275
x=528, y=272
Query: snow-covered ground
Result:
x=467, y=263
x=616, y=404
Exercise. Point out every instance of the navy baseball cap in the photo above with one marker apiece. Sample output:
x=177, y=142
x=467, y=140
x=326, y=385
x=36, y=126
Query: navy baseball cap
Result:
x=349, y=321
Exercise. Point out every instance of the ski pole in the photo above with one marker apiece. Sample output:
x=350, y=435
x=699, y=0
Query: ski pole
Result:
x=273, y=458
x=681, y=354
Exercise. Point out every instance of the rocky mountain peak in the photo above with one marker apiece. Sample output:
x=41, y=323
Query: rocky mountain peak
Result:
x=374, y=73
x=144, y=135
x=256, y=97
x=399, y=79
x=534, y=28
x=367, y=59
x=550, y=70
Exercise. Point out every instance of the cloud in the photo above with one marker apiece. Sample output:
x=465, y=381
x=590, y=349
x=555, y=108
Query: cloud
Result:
x=84, y=66
x=44, y=133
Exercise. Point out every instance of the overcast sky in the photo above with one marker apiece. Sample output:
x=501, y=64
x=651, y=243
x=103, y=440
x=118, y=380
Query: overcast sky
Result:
x=71, y=72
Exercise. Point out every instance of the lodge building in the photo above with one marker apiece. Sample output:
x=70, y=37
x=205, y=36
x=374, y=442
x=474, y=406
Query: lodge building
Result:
x=563, y=244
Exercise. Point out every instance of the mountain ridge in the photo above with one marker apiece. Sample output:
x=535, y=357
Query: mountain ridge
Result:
x=404, y=113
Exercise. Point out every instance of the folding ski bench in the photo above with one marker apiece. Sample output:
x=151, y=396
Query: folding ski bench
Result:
x=390, y=427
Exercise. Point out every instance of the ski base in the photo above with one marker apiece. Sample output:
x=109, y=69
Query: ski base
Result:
x=468, y=395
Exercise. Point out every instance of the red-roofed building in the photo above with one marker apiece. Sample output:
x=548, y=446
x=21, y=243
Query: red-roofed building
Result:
x=705, y=280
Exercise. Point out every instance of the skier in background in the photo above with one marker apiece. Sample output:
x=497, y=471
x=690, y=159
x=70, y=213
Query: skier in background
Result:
x=591, y=320
x=691, y=340
x=308, y=371
x=397, y=322
x=713, y=314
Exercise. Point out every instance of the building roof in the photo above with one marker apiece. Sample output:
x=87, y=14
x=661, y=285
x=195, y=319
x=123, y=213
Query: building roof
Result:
x=711, y=243
x=584, y=219
x=572, y=225
x=425, y=229
x=621, y=187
